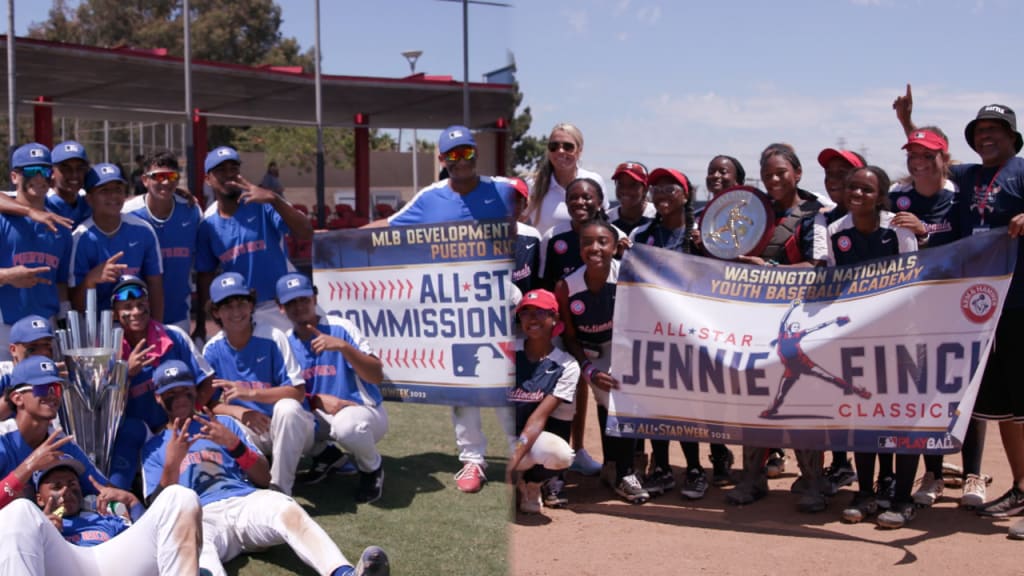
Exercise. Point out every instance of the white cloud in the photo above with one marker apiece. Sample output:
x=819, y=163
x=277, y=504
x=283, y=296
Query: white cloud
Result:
x=577, y=20
x=649, y=15
x=621, y=7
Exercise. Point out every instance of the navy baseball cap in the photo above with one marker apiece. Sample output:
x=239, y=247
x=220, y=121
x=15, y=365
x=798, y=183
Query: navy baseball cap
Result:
x=292, y=286
x=227, y=285
x=35, y=371
x=172, y=374
x=31, y=328
x=68, y=150
x=65, y=461
x=129, y=287
x=455, y=136
x=220, y=155
x=31, y=154
x=101, y=174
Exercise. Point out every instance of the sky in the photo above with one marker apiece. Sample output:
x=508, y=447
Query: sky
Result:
x=673, y=83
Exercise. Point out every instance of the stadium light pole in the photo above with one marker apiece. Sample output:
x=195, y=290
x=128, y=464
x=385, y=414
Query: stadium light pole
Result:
x=12, y=125
x=190, y=147
x=465, y=50
x=321, y=213
x=412, y=56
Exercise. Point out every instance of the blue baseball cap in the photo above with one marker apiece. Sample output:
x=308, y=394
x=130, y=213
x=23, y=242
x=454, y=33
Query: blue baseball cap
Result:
x=31, y=154
x=35, y=371
x=101, y=174
x=31, y=328
x=65, y=461
x=220, y=155
x=68, y=150
x=455, y=136
x=292, y=286
x=227, y=285
x=172, y=374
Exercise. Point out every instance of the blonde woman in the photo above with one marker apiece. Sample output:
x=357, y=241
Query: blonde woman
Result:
x=560, y=166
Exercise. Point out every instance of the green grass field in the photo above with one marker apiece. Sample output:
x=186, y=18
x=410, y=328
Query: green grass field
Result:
x=424, y=523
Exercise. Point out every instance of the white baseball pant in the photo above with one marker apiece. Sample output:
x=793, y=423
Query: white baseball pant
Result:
x=165, y=542
x=290, y=436
x=258, y=521
x=550, y=451
x=357, y=429
x=469, y=433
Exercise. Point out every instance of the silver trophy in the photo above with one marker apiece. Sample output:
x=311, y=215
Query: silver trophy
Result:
x=92, y=404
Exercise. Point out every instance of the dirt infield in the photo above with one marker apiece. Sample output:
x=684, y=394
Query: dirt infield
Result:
x=599, y=534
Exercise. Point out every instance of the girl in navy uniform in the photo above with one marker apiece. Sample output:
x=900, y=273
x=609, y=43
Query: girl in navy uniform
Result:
x=866, y=232
x=586, y=299
x=560, y=246
x=545, y=383
x=631, y=191
x=672, y=229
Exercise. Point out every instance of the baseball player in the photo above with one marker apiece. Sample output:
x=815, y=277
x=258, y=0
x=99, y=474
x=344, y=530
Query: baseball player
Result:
x=67, y=196
x=33, y=260
x=343, y=375
x=30, y=336
x=259, y=383
x=216, y=457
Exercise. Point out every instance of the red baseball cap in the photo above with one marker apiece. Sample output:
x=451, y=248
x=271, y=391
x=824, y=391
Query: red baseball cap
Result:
x=828, y=154
x=672, y=173
x=928, y=139
x=545, y=300
x=521, y=187
x=634, y=170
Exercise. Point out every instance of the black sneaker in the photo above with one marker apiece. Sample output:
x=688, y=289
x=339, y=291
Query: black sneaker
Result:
x=898, y=516
x=1009, y=504
x=860, y=507
x=330, y=459
x=721, y=469
x=659, y=481
x=840, y=474
x=630, y=489
x=885, y=492
x=552, y=495
x=371, y=486
x=695, y=484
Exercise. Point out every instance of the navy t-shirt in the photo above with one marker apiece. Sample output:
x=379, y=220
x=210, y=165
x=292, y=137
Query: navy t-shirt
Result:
x=936, y=212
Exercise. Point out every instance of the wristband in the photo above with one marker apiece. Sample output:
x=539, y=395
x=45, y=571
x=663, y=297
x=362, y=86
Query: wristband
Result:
x=10, y=489
x=239, y=450
x=247, y=460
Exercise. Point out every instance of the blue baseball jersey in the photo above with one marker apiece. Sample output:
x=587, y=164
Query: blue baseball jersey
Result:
x=177, y=236
x=991, y=197
x=329, y=372
x=526, y=270
x=91, y=247
x=592, y=312
x=208, y=469
x=937, y=212
x=33, y=245
x=251, y=242
x=141, y=402
x=490, y=200
x=88, y=529
x=78, y=213
x=14, y=451
x=266, y=361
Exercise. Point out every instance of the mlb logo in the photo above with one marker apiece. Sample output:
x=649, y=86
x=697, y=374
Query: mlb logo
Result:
x=39, y=324
x=531, y=296
x=71, y=148
x=35, y=153
x=293, y=283
x=107, y=170
x=223, y=152
x=919, y=135
x=628, y=428
x=455, y=134
x=478, y=360
x=171, y=372
x=47, y=366
x=886, y=441
x=225, y=282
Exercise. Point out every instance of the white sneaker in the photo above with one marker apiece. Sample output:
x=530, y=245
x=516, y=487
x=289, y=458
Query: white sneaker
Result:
x=529, y=501
x=974, y=491
x=930, y=490
x=584, y=464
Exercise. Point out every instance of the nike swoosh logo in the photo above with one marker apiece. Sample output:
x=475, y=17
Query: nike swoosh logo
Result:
x=551, y=371
x=531, y=245
x=133, y=244
x=490, y=201
x=185, y=224
x=261, y=359
x=252, y=219
x=887, y=241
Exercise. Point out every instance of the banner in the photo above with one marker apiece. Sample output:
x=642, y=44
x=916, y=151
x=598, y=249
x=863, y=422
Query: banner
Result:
x=883, y=356
x=433, y=302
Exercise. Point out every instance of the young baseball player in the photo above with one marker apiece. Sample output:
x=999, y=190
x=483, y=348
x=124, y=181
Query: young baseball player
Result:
x=67, y=196
x=258, y=381
x=342, y=375
x=216, y=457
x=30, y=336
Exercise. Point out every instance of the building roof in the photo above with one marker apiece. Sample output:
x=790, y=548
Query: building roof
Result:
x=148, y=85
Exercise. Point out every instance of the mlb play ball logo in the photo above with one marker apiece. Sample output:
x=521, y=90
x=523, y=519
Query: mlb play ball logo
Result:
x=293, y=283
x=171, y=372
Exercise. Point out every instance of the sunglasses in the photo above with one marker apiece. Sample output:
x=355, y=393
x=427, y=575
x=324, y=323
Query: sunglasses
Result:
x=42, y=390
x=33, y=171
x=129, y=293
x=163, y=177
x=459, y=154
x=567, y=146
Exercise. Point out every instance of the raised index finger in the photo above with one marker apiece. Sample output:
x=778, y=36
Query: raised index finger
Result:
x=115, y=257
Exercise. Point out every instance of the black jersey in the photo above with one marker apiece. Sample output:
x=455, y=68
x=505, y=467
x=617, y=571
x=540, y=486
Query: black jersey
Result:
x=847, y=245
x=937, y=212
x=592, y=312
x=526, y=271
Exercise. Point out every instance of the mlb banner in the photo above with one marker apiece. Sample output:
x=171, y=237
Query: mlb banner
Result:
x=882, y=356
x=433, y=302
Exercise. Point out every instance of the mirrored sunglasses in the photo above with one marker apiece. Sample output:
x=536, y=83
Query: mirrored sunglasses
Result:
x=162, y=177
x=42, y=390
x=129, y=293
x=459, y=154
x=33, y=171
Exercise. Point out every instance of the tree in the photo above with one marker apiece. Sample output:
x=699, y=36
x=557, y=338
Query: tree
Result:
x=527, y=150
x=296, y=145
